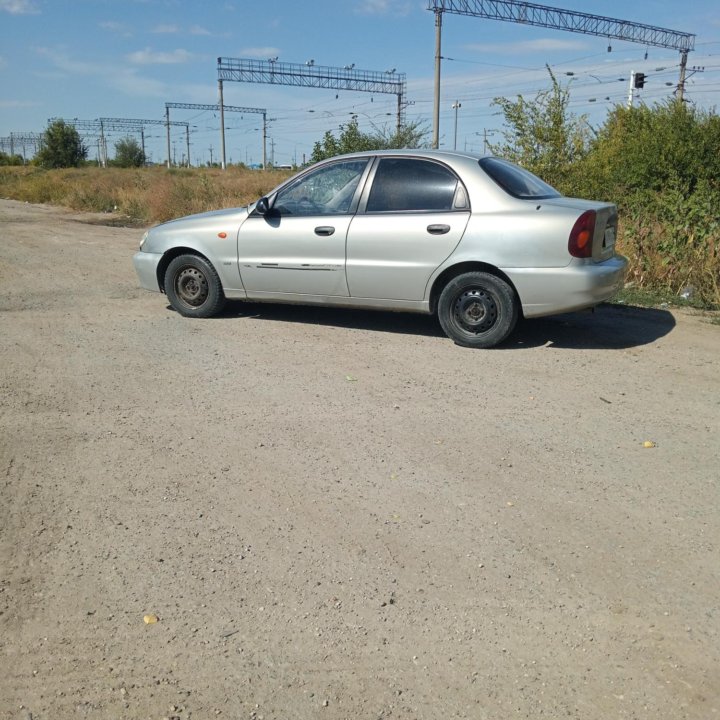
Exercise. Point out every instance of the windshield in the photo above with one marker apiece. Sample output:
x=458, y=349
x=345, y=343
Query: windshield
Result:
x=516, y=181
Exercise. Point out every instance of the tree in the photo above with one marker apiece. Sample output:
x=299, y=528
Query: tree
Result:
x=7, y=159
x=352, y=139
x=128, y=153
x=409, y=135
x=541, y=134
x=61, y=147
x=643, y=148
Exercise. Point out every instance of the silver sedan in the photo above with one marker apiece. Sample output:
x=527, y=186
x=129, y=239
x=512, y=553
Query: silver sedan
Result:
x=476, y=240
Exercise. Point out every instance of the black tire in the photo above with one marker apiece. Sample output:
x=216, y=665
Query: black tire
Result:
x=193, y=287
x=477, y=310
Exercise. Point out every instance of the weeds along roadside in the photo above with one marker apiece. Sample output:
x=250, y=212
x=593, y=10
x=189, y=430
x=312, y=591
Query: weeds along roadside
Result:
x=140, y=195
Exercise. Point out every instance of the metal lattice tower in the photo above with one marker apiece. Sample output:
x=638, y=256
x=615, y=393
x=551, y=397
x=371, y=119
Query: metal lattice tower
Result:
x=222, y=109
x=82, y=126
x=138, y=125
x=22, y=140
x=85, y=128
x=527, y=13
x=271, y=72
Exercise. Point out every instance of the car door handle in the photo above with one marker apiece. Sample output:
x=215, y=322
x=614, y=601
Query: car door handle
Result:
x=324, y=230
x=438, y=229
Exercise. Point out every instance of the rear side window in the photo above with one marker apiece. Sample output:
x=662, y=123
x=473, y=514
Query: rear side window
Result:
x=517, y=181
x=406, y=184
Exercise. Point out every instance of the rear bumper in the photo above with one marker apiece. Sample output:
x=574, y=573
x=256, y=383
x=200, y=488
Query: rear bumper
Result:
x=548, y=291
x=146, y=268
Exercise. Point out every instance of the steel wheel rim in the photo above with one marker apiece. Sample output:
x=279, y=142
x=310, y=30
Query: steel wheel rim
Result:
x=191, y=287
x=475, y=311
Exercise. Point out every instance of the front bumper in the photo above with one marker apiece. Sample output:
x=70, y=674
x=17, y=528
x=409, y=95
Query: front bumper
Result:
x=146, y=265
x=548, y=291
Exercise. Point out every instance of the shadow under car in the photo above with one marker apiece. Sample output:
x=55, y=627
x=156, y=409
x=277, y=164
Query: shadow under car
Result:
x=606, y=327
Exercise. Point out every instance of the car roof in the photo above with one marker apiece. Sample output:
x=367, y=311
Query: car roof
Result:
x=415, y=152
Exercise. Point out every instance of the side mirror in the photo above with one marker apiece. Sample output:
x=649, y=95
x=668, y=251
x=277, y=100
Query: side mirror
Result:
x=262, y=206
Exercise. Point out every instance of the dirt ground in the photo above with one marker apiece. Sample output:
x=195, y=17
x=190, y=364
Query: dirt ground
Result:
x=341, y=514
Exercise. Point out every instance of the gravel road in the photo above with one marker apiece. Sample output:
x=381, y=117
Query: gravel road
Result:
x=340, y=514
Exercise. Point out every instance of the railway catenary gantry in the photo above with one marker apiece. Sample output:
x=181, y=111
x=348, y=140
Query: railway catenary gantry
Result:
x=272, y=72
x=138, y=125
x=527, y=13
x=222, y=109
x=21, y=141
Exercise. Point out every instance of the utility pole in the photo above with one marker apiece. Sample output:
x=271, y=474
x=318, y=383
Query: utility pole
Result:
x=684, y=75
x=211, y=152
x=167, y=125
x=485, y=143
x=683, y=69
x=264, y=140
x=103, y=145
x=456, y=105
x=222, y=122
x=438, y=59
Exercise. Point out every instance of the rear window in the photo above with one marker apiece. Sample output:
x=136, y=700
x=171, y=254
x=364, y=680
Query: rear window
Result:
x=516, y=181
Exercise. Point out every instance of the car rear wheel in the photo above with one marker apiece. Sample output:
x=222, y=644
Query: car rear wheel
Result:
x=477, y=310
x=193, y=287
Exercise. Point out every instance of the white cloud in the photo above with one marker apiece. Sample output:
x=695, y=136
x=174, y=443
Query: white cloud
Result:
x=383, y=7
x=528, y=46
x=148, y=57
x=63, y=62
x=128, y=80
x=18, y=104
x=116, y=27
x=176, y=30
x=19, y=7
x=134, y=85
x=166, y=29
x=261, y=52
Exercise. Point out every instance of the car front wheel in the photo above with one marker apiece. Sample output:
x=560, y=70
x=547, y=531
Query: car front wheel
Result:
x=193, y=287
x=477, y=310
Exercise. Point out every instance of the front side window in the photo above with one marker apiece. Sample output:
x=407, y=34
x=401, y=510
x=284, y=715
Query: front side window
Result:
x=329, y=190
x=410, y=184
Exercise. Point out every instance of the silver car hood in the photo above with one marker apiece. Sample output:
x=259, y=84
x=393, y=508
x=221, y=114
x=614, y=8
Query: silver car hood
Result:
x=209, y=218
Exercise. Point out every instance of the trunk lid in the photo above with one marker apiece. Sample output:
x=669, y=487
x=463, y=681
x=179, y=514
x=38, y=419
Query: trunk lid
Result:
x=606, y=219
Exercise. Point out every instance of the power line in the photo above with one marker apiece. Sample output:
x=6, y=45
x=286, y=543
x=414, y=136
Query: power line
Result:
x=273, y=72
x=550, y=17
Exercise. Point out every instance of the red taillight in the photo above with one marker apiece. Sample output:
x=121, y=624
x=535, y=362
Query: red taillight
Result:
x=581, y=236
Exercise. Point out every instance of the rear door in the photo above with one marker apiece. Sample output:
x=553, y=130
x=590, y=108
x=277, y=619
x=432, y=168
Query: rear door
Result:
x=408, y=223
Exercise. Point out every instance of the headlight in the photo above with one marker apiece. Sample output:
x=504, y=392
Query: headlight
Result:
x=144, y=238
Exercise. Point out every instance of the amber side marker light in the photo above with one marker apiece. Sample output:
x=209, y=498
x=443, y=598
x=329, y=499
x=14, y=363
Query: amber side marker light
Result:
x=222, y=235
x=580, y=240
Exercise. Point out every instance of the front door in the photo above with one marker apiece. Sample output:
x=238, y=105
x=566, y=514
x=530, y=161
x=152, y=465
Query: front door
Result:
x=298, y=247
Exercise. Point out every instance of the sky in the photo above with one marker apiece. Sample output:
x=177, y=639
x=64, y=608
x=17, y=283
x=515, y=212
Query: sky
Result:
x=88, y=59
